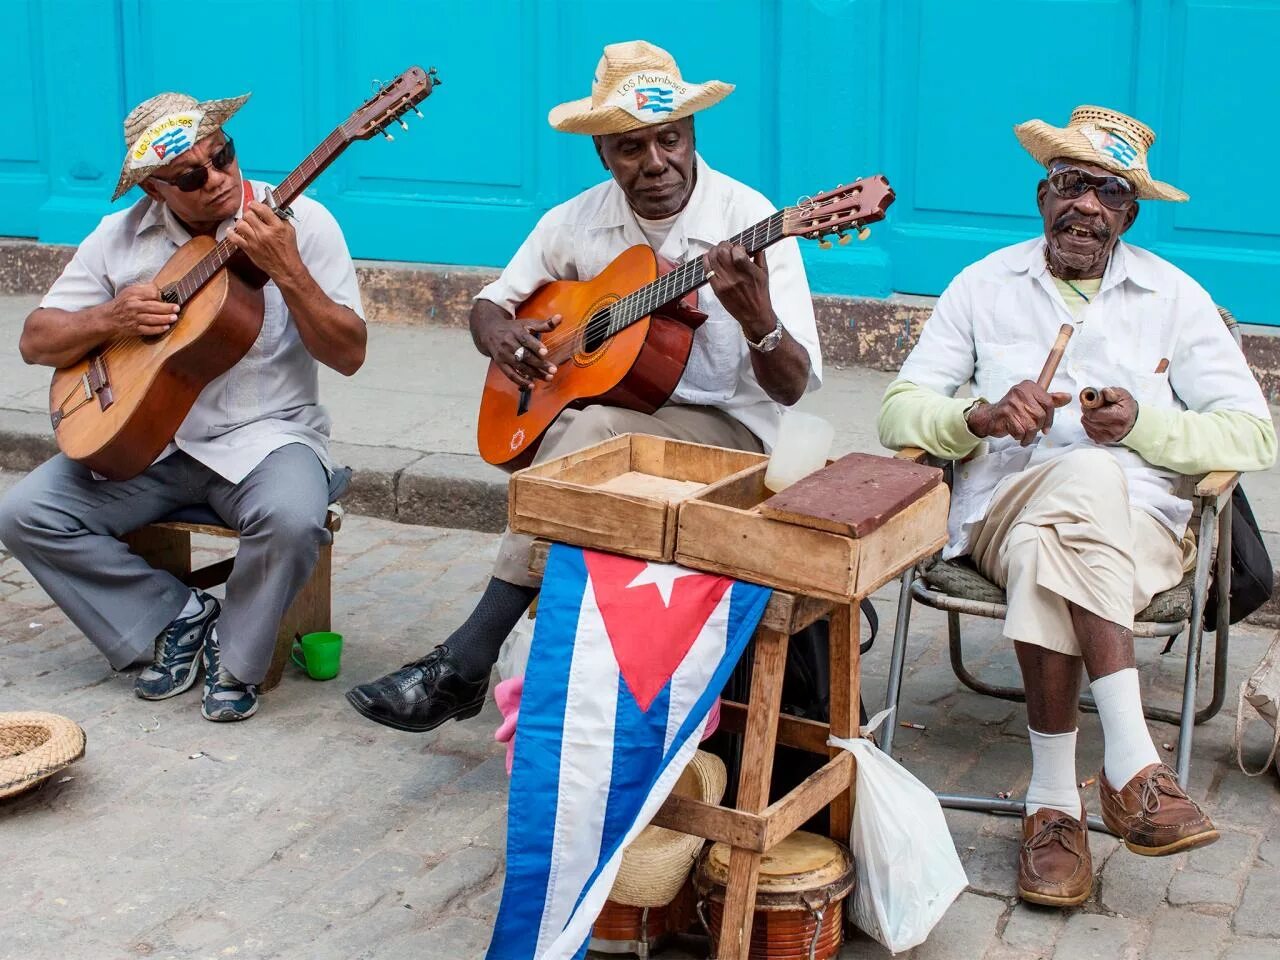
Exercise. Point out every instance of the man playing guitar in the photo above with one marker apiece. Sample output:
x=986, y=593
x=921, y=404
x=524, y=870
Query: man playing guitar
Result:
x=254, y=446
x=757, y=351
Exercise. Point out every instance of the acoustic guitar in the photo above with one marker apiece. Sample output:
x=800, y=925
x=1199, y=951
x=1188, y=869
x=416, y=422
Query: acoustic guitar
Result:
x=117, y=408
x=624, y=337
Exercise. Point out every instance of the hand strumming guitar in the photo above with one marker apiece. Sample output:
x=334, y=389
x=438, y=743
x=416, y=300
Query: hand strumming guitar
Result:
x=1113, y=419
x=512, y=344
x=269, y=241
x=1026, y=410
x=138, y=311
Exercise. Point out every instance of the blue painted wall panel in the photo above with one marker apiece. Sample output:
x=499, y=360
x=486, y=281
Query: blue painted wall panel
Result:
x=926, y=91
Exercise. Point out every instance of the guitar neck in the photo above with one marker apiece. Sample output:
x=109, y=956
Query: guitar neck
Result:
x=687, y=277
x=289, y=189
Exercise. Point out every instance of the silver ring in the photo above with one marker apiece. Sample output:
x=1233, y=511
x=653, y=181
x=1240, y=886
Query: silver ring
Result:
x=710, y=274
x=519, y=354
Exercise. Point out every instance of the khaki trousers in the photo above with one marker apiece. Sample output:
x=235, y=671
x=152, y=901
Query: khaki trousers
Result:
x=577, y=429
x=1064, y=532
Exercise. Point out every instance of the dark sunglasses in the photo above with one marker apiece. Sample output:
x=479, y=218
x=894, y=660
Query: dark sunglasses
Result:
x=189, y=181
x=1072, y=182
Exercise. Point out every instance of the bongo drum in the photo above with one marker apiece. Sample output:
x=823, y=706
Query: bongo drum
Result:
x=799, y=914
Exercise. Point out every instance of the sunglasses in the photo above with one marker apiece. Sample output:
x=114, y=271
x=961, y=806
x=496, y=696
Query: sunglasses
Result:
x=1072, y=182
x=189, y=181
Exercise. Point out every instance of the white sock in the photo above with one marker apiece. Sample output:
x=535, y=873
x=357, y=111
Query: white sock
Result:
x=1053, y=773
x=1126, y=740
x=193, y=606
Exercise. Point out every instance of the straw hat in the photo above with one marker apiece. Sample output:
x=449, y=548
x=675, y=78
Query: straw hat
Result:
x=636, y=84
x=34, y=746
x=169, y=124
x=657, y=863
x=1107, y=138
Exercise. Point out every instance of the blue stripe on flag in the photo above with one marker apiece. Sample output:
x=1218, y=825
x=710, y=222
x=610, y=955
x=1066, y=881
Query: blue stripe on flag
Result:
x=535, y=771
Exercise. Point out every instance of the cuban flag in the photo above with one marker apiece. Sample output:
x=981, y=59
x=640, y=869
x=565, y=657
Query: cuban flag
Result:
x=627, y=659
x=655, y=99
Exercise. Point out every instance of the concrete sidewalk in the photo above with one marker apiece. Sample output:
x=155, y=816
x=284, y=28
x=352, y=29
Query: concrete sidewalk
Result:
x=406, y=424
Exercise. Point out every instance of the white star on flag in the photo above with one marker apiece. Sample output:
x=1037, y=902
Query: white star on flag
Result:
x=663, y=576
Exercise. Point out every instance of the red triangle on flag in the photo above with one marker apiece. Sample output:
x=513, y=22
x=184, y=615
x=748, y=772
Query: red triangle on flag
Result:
x=650, y=638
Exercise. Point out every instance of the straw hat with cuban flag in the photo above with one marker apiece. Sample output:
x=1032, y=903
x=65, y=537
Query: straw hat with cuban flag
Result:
x=169, y=124
x=636, y=85
x=1106, y=138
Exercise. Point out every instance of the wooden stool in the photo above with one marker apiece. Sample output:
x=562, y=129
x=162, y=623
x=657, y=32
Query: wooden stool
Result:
x=167, y=546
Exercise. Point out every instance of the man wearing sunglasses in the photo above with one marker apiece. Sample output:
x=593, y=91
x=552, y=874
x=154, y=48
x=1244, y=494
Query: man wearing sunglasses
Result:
x=1077, y=513
x=254, y=446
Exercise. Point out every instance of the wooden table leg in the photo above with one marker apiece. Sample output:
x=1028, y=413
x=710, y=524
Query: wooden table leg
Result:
x=845, y=673
x=753, y=789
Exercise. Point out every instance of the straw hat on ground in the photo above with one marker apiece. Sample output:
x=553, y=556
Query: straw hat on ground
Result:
x=169, y=124
x=1107, y=138
x=657, y=863
x=636, y=84
x=34, y=746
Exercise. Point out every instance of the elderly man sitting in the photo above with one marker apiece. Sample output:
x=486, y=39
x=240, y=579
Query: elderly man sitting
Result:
x=1077, y=513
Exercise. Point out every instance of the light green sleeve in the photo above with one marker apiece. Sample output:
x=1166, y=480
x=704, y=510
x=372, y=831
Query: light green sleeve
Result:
x=1190, y=443
x=915, y=416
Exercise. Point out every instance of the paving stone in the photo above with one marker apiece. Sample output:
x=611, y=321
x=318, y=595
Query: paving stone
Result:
x=986, y=711
x=384, y=873
x=1180, y=934
x=1134, y=886
x=1034, y=928
x=1247, y=948
x=461, y=873
x=992, y=866
x=1258, y=914
x=966, y=930
x=1091, y=936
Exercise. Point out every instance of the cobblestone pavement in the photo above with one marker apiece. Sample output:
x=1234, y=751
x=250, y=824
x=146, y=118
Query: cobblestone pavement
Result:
x=310, y=833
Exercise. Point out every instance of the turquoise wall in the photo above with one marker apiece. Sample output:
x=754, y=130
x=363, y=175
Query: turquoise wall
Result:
x=925, y=91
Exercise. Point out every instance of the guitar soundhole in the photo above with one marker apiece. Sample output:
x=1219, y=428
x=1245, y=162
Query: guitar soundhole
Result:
x=595, y=332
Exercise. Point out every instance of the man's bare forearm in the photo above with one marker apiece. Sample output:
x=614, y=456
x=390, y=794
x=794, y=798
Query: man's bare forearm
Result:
x=57, y=338
x=333, y=334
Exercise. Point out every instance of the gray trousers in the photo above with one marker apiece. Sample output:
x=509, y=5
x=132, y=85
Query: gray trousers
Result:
x=63, y=526
x=576, y=429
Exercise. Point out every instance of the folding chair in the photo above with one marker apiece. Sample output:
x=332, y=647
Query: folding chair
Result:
x=956, y=587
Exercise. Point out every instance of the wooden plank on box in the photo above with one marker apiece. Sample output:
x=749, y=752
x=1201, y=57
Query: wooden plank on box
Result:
x=853, y=496
x=918, y=531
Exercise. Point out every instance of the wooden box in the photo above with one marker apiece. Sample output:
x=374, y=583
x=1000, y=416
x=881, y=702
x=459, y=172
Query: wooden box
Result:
x=722, y=530
x=622, y=495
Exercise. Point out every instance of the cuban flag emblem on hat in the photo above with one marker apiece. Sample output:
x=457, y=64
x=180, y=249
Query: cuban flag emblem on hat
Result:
x=655, y=99
x=627, y=659
x=1124, y=154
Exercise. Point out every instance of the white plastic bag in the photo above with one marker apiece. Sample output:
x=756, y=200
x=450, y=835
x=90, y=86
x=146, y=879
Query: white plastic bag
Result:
x=907, y=867
x=514, y=654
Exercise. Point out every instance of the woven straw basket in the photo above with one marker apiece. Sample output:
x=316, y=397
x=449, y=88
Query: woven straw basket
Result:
x=34, y=746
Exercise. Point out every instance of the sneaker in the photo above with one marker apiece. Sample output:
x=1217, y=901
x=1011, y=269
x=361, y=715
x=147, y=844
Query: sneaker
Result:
x=225, y=698
x=175, y=667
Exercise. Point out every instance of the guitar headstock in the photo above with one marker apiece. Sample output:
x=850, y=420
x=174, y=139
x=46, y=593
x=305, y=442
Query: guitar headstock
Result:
x=845, y=208
x=391, y=101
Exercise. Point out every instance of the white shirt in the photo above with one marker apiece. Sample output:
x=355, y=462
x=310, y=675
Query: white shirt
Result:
x=993, y=327
x=577, y=240
x=271, y=397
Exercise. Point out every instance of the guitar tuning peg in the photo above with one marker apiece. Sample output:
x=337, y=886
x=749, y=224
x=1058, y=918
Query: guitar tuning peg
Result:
x=864, y=232
x=385, y=134
x=419, y=113
x=824, y=244
x=844, y=239
x=403, y=125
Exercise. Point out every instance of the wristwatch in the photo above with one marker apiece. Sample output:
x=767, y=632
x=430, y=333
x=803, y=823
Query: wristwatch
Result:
x=769, y=342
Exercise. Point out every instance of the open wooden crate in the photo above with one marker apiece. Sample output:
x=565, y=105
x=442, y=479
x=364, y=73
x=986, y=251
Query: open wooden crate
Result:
x=622, y=495
x=721, y=529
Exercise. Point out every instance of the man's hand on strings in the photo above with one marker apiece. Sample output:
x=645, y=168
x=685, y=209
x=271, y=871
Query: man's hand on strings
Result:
x=270, y=242
x=138, y=311
x=514, y=346
x=1022, y=413
x=1112, y=421
x=741, y=284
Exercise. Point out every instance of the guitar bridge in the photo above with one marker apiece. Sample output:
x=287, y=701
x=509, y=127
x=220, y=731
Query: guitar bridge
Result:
x=97, y=382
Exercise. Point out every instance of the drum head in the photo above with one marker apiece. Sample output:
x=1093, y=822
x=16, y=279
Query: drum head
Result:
x=803, y=863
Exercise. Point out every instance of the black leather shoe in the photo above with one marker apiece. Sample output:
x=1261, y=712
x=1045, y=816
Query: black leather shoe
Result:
x=420, y=695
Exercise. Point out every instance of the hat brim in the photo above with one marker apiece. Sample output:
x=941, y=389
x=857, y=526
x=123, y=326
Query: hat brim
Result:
x=578, y=116
x=216, y=113
x=656, y=864
x=1046, y=142
x=61, y=742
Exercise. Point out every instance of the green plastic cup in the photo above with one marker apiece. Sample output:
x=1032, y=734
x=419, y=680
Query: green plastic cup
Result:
x=319, y=654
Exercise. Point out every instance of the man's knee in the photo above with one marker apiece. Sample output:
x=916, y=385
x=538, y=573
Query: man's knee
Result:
x=288, y=526
x=21, y=516
x=1093, y=466
x=594, y=423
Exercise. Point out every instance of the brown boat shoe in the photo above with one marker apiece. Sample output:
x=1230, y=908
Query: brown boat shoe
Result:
x=1153, y=814
x=1055, y=866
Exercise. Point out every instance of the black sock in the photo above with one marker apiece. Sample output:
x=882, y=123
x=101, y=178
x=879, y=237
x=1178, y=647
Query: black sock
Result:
x=474, y=646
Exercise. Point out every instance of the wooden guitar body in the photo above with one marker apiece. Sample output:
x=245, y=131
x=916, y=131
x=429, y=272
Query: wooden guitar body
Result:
x=636, y=368
x=151, y=383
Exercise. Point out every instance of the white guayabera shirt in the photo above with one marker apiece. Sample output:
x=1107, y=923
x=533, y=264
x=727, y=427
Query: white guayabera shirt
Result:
x=269, y=399
x=579, y=238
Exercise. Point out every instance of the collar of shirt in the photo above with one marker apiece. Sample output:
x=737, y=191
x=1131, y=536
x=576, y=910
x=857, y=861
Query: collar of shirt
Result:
x=1029, y=258
x=159, y=216
x=697, y=221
